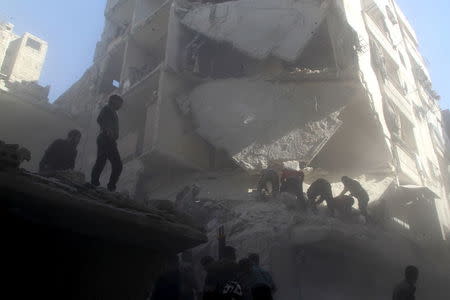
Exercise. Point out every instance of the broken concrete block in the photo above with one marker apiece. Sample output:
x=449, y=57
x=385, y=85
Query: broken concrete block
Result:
x=260, y=28
x=260, y=121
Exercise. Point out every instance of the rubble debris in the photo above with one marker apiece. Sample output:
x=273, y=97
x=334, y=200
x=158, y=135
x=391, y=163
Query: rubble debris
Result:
x=258, y=122
x=11, y=155
x=259, y=28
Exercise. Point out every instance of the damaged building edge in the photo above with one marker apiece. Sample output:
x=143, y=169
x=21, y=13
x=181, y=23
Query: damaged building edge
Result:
x=101, y=218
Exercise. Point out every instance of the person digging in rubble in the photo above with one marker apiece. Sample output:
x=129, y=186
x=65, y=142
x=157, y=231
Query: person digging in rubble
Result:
x=343, y=204
x=320, y=190
x=262, y=285
x=107, y=143
x=357, y=191
x=268, y=185
x=292, y=183
x=406, y=290
x=61, y=154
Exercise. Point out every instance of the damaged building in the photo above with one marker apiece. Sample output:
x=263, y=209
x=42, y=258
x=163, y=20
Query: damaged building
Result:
x=27, y=117
x=217, y=91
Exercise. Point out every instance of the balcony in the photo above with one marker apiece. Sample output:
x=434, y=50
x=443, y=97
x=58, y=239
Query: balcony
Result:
x=407, y=165
x=153, y=29
x=376, y=24
x=142, y=80
x=392, y=91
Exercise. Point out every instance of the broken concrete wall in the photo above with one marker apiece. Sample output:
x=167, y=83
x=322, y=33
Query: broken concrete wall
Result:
x=259, y=28
x=169, y=133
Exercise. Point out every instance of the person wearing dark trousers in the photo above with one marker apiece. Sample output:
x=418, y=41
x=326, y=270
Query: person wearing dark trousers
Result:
x=107, y=143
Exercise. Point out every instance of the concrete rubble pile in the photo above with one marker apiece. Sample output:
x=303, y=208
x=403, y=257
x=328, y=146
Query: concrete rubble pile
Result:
x=11, y=155
x=300, y=247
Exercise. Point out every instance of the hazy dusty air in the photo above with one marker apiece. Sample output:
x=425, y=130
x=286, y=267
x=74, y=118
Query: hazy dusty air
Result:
x=305, y=131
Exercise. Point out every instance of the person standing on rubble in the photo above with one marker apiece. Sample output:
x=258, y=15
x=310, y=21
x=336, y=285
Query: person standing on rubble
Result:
x=321, y=189
x=107, y=143
x=406, y=290
x=357, y=191
x=61, y=154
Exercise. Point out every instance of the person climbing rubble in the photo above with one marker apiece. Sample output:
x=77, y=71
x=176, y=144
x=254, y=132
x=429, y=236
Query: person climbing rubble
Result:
x=107, y=143
x=357, y=191
x=319, y=191
x=292, y=183
x=61, y=154
x=406, y=290
x=268, y=185
x=262, y=284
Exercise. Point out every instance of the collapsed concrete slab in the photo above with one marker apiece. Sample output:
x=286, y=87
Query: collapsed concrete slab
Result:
x=91, y=243
x=259, y=121
x=260, y=28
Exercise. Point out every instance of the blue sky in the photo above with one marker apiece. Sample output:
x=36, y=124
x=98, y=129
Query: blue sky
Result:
x=72, y=29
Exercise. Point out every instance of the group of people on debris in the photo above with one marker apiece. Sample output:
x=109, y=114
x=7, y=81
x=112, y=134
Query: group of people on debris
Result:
x=62, y=153
x=225, y=278
x=229, y=279
x=291, y=182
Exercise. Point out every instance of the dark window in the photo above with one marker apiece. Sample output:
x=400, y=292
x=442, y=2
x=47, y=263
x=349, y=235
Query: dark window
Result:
x=33, y=44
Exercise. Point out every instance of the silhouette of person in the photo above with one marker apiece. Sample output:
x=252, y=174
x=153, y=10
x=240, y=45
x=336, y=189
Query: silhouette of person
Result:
x=406, y=289
x=61, y=154
x=107, y=143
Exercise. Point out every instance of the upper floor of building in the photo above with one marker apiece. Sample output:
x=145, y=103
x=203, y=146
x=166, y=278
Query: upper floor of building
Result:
x=21, y=57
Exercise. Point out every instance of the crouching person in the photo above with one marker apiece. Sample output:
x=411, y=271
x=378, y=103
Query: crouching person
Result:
x=61, y=154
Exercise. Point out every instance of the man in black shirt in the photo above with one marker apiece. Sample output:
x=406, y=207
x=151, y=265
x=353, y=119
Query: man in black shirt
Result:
x=406, y=290
x=357, y=191
x=107, y=143
x=321, y=189
x=61, y=154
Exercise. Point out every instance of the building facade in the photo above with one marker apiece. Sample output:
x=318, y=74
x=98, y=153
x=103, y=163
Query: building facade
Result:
x=338, y=86
x=21, y=57
x=27, y=118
